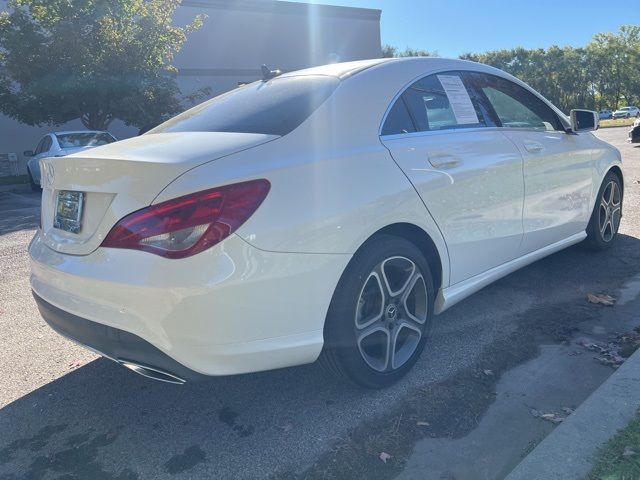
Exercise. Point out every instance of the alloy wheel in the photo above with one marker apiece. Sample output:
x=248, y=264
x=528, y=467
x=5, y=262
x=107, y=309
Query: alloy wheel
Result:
x=610, y=211
x=391, y=313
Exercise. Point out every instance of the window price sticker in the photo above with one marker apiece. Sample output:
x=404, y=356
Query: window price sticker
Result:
x=459, y=99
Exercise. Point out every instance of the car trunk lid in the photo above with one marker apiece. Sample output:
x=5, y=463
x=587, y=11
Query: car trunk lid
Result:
x=123, y=177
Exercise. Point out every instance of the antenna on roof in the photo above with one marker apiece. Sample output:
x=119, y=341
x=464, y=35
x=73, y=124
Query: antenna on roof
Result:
x=268, y=74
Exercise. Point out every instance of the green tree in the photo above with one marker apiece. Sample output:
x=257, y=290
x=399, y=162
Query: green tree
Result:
x=603, y=74
x=389, y=51
x=96, y=60
x=616, y=57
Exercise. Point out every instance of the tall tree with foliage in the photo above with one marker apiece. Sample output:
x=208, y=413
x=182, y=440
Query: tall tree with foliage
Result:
x=96, y=60
x=617, y=57
x=389, y=51
x=603, y=74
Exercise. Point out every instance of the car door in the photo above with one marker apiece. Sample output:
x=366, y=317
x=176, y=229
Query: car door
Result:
x=557, y=165
x=468, y=174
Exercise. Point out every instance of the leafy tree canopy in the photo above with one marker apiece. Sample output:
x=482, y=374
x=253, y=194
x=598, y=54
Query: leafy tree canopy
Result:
x=389, y=51
x=601, y=75
x=96, y=60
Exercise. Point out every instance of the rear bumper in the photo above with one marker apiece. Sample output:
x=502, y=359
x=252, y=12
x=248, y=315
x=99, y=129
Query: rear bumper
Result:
x=118, y=345
x=231, y=309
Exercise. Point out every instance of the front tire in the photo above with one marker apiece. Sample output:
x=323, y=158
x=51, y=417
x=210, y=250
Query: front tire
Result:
x=34, y=186
x=602, y=230
x=380, y=314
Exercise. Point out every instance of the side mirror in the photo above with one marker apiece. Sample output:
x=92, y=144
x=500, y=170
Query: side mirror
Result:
x=28, y=153
x=584, y=120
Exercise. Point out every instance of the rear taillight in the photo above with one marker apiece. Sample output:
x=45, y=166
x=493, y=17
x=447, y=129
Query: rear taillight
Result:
x=188, y=225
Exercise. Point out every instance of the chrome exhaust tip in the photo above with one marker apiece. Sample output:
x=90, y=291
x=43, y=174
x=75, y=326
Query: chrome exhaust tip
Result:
x=152, y=373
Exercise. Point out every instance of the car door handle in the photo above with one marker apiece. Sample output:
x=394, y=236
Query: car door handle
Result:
x=444, y=161
x=533, y=147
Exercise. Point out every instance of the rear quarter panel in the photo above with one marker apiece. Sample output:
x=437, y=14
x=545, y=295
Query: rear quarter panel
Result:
x=321, y=200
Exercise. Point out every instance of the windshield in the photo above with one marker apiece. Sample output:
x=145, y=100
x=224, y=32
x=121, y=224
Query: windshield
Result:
x=275, y=107
x=84, y=139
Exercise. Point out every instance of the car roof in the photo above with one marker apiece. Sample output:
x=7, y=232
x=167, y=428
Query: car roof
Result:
x=340, y=70
x=348, y=69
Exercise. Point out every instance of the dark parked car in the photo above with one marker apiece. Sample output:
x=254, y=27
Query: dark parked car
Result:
x=634, y=133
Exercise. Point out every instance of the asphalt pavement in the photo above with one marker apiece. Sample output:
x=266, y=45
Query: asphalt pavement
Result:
x=65, y=413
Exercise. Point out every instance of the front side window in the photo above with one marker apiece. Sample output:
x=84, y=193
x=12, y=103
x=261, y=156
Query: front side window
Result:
x=515, y=106
x=436, y=102
x=275, y=107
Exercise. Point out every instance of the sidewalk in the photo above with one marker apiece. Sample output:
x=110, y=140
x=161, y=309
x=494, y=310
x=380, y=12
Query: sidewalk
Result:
x=569, y=451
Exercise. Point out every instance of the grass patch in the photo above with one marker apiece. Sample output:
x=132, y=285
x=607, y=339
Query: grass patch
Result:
x=618, y=122
x=620, y=458
x=14, y=180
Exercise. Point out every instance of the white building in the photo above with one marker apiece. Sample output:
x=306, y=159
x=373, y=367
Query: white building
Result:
x=238, y=36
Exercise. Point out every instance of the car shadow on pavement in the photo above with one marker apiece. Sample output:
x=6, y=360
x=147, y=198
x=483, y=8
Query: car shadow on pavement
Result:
x=77, y=424
x=101, y=421
x=19, y=211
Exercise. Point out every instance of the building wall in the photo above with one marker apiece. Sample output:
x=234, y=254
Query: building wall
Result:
x=236, y=39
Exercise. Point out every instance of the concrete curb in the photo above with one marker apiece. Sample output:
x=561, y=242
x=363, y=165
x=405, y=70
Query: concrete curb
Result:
x=569, y=451
x=16, y=187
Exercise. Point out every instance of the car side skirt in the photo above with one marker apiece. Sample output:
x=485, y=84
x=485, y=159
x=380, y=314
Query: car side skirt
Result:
x=449, y=296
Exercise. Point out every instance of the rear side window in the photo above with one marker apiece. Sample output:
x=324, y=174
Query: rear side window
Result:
x=398, y=120
x=40, y=146
x=275, y=107
x=515, y=106
x=436, y=102
x=46, y=146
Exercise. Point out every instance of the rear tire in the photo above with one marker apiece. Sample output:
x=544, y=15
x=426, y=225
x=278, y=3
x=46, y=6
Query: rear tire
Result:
x=602, y=230
x=380, y=314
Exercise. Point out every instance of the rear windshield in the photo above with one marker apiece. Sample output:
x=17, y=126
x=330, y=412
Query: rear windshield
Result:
x=84, y=139
x=275, y=107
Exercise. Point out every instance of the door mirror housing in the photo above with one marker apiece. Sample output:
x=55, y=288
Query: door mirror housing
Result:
x=28, y=153
x=584, y=120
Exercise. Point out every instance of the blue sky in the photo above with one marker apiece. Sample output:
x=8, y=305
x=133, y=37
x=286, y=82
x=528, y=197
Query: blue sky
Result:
x=452, y=27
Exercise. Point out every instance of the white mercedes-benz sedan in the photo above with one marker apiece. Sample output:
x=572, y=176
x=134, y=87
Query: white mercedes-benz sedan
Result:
x=327, y=213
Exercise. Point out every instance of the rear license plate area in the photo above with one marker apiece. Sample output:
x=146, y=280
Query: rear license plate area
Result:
x=69, y=207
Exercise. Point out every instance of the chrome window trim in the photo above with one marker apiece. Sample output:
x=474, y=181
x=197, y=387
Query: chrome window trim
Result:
x=464, y=130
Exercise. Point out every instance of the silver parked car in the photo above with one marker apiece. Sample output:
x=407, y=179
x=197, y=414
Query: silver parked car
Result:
x=627, y=112
x=605, y=114
x=60, y=144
